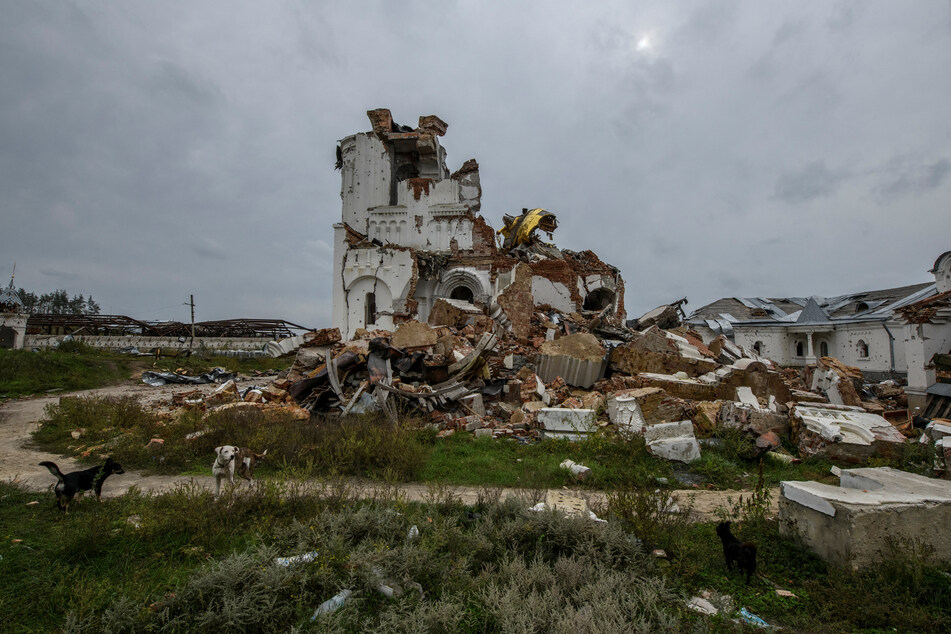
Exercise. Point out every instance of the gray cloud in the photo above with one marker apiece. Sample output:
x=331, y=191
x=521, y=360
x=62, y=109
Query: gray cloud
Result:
x=813, y=181
x=154, y=150
x=209, y=248
x=901, y=178
x=60, y=275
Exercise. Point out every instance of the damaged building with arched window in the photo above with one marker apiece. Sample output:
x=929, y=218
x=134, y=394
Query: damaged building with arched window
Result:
x=411, y=241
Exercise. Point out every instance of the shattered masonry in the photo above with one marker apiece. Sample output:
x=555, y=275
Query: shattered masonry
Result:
x=437, y=321
x=411, y=234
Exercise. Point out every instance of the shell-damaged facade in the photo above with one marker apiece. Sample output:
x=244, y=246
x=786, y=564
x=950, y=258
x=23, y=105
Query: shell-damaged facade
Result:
x=411, y=234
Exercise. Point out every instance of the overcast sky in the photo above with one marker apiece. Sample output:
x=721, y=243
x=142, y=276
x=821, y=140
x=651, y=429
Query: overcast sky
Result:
x=152, y=150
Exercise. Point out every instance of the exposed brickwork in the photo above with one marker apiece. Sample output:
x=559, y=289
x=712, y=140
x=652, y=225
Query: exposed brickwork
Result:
x=419, y=185
x=516, y=301
x=380, y=120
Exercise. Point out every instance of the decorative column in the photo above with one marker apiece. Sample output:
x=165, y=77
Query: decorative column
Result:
x=811, y=354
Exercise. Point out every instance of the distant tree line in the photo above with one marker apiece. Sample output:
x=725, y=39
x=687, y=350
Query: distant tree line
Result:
x=58, y=303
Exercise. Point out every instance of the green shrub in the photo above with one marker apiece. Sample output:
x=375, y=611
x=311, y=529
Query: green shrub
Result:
x=649, y=514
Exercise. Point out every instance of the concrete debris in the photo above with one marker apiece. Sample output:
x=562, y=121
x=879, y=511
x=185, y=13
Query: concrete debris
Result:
x=753, y=420
x=844, y=433
x=579, y=471
x=314, y=339
x=226, y=393
x=579, y=359
x=572, y=424
x=701, y=605
x=505, y=335
x=673, y=441
x=852, y=524
x=666, y=317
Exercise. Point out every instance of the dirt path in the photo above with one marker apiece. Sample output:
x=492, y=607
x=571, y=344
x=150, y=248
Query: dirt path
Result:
x=19, y=461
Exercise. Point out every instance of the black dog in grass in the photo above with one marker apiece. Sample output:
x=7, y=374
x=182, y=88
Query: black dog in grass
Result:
x=743, y=553
x=69, y=484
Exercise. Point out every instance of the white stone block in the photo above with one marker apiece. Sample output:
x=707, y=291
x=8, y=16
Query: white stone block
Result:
x=666, y=431
x=625, y=413
x=673, y=441
x=745, y=395
x=561, y=419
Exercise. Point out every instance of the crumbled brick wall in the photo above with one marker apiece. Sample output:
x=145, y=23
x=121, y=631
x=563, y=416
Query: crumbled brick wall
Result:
x=517, y=302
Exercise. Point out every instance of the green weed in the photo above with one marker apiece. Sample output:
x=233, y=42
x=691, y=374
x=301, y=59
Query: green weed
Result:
x=26, y=372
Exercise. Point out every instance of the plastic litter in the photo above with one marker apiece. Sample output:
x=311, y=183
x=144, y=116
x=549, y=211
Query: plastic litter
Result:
x=157, y=379
x=413, y=532
x=332, y=604
x=296, y=559
x=752, y=619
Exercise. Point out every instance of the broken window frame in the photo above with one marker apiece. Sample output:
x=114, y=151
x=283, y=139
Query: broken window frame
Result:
x=862, y=349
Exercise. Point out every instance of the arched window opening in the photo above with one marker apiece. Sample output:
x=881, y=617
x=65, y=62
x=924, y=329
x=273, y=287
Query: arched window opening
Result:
x=861, y=307
x=800, y=349
x=370, y=308
x=823, y=349
x=862, y=349
x=462, y=292
x=758, y=347
x=598, y=299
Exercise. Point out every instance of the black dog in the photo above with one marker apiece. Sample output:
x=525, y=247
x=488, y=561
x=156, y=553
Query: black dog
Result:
x=69, y=484
x=743, y=553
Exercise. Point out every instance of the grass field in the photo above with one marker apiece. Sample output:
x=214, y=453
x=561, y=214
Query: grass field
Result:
x=373, y=448
x=184, y=562
x=76, y=366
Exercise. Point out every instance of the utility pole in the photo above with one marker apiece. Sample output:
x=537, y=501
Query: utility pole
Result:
x=191, y=302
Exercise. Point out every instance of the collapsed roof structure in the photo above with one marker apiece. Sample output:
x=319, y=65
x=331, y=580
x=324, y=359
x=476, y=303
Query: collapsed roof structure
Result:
x=902, y=333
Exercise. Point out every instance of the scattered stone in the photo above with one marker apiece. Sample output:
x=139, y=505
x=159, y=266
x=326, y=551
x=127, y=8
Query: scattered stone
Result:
x=579, y=471
x=673, y=441
x=698, y=604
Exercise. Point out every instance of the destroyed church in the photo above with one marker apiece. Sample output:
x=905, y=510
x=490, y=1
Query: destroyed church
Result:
x=440, y=319
x=411, y=241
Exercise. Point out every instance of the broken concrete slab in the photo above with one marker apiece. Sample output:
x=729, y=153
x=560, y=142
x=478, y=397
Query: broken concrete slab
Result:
x=579, y=359
x=853, y=523
x=572, y=424
x=753, y=420
x=673, y=441
x=844, y=433
x=937, y=430
x=227, y=392
x=655, y=404
x=414, y=334
x=453, y=312
x=745, y=395
x=314, y=339
x=655, y=351
x=474, y=403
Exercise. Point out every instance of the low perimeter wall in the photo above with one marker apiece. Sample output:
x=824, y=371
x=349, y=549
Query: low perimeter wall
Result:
x=228, y=346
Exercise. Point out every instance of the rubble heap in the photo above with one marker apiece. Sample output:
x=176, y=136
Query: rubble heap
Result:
x=437, y=317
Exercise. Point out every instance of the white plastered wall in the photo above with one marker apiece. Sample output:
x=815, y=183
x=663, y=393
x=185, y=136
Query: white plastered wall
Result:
x=388, y=273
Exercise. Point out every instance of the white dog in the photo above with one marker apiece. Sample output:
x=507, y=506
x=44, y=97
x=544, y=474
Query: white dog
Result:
x=223, y=466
